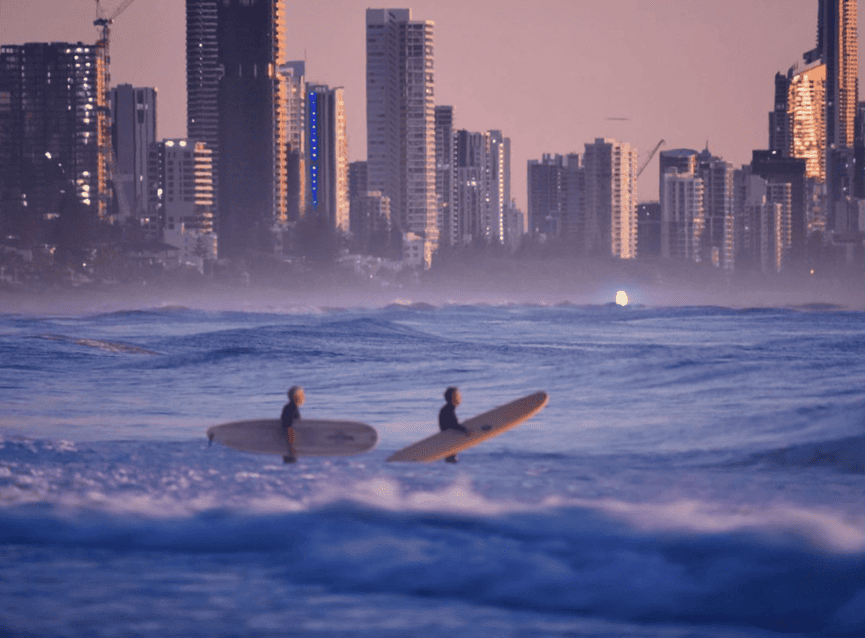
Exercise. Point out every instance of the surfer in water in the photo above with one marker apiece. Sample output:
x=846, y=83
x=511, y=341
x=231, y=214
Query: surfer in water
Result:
x=290, y=414
x=448, y=416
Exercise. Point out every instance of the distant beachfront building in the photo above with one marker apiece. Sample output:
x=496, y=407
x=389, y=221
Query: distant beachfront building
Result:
x=326, y=156
x=294, y=75
x=401, y=151
x=682, y=215
x=609, y=222
x=445, y=190
x=50, y=171
x=133, y=125
x=556, y=196
x=180, y=182
x=237, y=103
x=719, y=236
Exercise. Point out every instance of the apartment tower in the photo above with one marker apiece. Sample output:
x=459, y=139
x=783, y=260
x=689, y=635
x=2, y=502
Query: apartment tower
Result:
x=234, y=51
x=401, y=119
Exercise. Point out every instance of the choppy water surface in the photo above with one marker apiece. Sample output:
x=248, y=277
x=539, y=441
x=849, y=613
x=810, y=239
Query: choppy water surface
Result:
x=699, y=471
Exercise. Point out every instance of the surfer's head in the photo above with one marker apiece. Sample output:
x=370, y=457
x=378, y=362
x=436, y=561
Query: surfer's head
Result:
x=295, y=394
x=452, y=395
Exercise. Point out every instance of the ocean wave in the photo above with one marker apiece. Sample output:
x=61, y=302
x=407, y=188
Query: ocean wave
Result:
x=609, y=560
x=115, y=347
x=847, y=454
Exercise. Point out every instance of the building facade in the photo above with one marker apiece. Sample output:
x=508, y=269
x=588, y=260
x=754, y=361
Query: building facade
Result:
x=52, y=184
x=610, y=216
x=180, y=184
x=445, y=190
x=294, y=75
x=133, y=127
x=326, y=155
x=682, y=216
x=250, y=119
x=401, y=119
x=719, y=236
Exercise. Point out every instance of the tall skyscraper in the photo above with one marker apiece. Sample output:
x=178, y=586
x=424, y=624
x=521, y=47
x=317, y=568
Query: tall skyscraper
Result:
x=779, y=122
x=806, y=135
x=445, y=193
x=719, y=236
x=682, y=216
x=556, y=197
x=133, y=126
x=50, y=175
x=473, y=179
x=202, y=78
x=838, y=48
x=234, y=51
x=327, y=155
x=680, y=160
x=500, y=183
x=295, y=77
x=610, y=216
x=401, y=118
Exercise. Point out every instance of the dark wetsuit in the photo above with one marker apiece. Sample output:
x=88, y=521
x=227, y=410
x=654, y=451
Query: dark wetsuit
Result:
x=290, y=414
x=448, y=421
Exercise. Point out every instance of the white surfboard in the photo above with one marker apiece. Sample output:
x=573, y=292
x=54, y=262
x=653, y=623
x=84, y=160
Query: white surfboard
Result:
x=312, y=437
x=482, y=427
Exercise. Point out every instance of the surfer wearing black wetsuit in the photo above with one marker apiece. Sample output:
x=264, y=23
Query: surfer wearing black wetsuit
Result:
x=290, y=414
x=448, y=416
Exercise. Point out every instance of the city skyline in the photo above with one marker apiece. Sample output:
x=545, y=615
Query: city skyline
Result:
x=495, y=67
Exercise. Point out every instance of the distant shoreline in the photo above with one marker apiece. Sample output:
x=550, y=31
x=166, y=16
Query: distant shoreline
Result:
x=492, y=282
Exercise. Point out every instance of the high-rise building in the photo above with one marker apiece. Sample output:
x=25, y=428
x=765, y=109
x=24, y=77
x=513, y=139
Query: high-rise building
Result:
x=234, y=51
x=445, y=192
x=294, y=74
x=51, y=178
x=682, y=216
x=649, y=230
x=327, y=155
x=556, y=196
x=776, y=169
x=133, y=126
x=681, y=160
x=779, y=121
x=202, y=78
x=500, y=184
x=838, y=49
x=180, y=182
x=401, y=119
x=610, y=216
x=806, y=137
x=719, y=234
x=473, y=179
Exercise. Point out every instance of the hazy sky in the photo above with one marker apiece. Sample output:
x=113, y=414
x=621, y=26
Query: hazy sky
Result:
x=546, y=72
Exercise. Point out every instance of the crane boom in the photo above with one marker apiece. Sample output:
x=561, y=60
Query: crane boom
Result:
x=651, y=155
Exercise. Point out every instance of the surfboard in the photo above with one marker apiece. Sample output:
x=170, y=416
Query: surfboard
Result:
x=312, y=437
x=481, y=427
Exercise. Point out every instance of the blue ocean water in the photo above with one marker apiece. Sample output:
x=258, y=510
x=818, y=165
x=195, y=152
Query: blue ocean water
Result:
x=699, y=471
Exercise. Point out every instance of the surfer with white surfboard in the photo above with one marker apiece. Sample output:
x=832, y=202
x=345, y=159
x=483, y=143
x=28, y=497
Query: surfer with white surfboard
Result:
x=448, y=416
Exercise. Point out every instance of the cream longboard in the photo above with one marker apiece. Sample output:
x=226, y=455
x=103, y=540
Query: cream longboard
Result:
x=312, y=437
x=482, y=427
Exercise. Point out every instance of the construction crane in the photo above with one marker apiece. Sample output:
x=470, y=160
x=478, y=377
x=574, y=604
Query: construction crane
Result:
x=651, y=155
x=105, y=153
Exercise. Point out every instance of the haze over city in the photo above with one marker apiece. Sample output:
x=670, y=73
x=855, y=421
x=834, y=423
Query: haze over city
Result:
x=549, y=74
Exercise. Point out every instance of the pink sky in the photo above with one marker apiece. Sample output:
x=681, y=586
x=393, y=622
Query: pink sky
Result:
x=546, y=72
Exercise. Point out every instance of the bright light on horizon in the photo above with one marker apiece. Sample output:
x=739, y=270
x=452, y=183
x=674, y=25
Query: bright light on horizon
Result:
x=622, y=298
